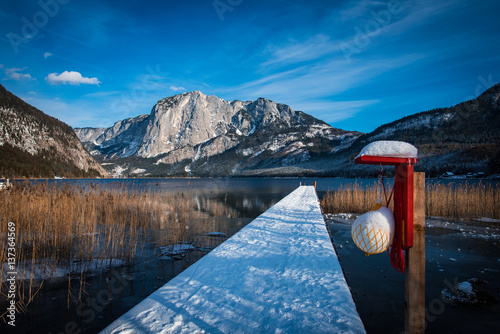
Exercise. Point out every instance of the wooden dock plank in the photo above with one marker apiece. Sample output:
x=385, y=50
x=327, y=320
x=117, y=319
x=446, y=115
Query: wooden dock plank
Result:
x=279, y=274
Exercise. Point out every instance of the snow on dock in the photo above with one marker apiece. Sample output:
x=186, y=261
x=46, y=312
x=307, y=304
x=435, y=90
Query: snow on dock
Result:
x=279, y=274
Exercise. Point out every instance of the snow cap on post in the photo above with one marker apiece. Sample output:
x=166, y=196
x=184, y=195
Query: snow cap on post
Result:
x=389, y=148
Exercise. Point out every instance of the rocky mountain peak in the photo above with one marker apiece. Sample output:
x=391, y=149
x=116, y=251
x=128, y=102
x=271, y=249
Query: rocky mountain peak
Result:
x=190, y=127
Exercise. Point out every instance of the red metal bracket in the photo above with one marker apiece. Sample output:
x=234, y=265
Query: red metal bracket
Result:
x=403, y=190
x=388, y=161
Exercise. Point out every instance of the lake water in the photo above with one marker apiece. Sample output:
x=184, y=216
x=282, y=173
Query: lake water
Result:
x=109, y=294
x=456, y=250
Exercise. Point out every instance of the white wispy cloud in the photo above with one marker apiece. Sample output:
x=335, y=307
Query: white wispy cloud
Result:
x=325, y=78
x=16, y=74
x=356, y=9
x=318, y=88
x=375, y=19
x=312, y=74
x=47, y=55
x=103, y=94
x=71, y=78
x=175, y=89
x=415, y=14
x=295, y=51
x=1, y=66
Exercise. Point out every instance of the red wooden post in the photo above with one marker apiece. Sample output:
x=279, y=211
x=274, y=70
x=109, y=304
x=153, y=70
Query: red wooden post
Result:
x=415, y=260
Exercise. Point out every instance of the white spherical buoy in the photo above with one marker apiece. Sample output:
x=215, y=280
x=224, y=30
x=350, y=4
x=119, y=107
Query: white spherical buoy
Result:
x=373, y=231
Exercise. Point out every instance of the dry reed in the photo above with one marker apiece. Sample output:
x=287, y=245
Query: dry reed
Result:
x=352, y=198
x=462, y=201
x=450, y=200
x=86, y=227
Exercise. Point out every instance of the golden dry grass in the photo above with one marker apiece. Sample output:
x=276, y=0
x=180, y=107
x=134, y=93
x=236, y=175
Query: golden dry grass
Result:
x=465, y=201
x=352, y=198
x=76, y=226
x=453, y=201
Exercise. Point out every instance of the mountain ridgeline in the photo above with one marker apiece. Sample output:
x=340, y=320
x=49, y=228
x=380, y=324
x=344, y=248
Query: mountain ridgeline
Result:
x=33, y=144
x=460, y=139
x=200, y=135
x=193, y=134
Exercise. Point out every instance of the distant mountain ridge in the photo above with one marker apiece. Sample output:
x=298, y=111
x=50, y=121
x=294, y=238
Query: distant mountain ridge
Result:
x=33, y=144
x=459, y=139
x=196, y=134
x=192, y=134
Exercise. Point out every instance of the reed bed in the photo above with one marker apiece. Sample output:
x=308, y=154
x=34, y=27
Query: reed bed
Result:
x=441, y=200
x=352, y=198
x=87, y=227
x=465, y=201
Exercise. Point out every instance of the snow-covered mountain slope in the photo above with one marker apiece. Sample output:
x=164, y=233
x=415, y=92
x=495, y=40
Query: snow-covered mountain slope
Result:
x=121, y=140
x=195, y=134
x=35, y=144
x=204, y=135
x=460, y=139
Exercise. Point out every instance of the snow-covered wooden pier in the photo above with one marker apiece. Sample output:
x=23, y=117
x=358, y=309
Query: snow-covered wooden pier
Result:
x=279, y=274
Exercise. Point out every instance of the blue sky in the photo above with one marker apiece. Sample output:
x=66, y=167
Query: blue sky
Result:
x=354, y=64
